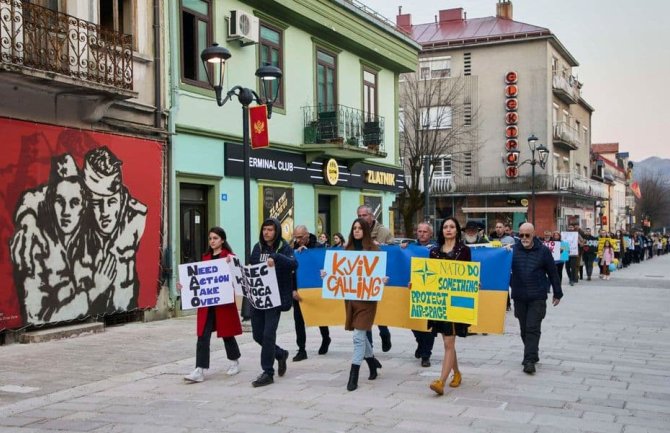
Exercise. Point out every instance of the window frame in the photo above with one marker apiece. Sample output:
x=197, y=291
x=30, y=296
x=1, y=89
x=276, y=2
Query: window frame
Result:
x=443, y=161
x=426, y=113
x=210, y=28
x=264, y=43
x=427, y=69
x=370, y=116
x=318, y=63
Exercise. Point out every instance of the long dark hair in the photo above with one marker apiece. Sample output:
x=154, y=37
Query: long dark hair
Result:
x=368, y=244
x=340, y=236
x=222, y=234
x=440, y=233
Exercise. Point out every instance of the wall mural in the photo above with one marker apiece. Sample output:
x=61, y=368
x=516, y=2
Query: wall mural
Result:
x=80, y=223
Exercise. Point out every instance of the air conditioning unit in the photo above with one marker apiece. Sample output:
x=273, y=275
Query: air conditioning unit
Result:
x=243, y=27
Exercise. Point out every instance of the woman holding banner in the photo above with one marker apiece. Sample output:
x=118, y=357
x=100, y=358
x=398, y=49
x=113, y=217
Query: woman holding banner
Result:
x=223, y=318
x=360, y=315
x=450, y=247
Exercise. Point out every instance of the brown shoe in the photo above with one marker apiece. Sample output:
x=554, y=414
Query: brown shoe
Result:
x=456, y=380
x=438, y=386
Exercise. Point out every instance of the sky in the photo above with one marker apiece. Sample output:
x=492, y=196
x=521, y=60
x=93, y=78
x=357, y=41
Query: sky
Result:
x=623, y=49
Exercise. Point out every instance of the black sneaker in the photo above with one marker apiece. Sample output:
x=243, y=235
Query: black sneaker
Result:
x=386, y=343
x=281, y=364
x=529, y=368
x=325, y=344
x=416, y=354
x=262, y=380
x=300, y=356
x=425, y=362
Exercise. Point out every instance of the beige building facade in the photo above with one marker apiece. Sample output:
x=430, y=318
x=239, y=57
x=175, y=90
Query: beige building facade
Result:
x=547, y=104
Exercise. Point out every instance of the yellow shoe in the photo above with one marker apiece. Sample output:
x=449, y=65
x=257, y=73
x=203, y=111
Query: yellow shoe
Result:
x=456, y=380
x=437, y=386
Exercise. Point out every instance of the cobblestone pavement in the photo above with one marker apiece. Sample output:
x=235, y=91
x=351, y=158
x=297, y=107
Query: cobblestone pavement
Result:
x=605, y=367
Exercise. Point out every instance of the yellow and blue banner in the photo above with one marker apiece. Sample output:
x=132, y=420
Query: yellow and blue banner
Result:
x=394, y=307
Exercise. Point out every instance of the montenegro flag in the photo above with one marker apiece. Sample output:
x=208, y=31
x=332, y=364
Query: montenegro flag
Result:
x=635, y=187
x=258, y=122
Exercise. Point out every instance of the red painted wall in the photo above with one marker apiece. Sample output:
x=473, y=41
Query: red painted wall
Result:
x=27, y=161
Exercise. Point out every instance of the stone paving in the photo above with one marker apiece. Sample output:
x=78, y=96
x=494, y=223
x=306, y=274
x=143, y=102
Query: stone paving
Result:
x=605, y=367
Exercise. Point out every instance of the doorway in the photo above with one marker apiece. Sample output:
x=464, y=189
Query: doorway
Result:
x=194, y=225
x=327, y=215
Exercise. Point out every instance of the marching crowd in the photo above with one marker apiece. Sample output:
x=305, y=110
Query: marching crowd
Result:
x=535, y=273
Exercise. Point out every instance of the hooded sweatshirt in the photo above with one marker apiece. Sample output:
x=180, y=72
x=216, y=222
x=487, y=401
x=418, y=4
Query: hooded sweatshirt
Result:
x=285, y=262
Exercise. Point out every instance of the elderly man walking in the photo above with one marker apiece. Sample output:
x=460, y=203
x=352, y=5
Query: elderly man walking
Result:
x=533, y=270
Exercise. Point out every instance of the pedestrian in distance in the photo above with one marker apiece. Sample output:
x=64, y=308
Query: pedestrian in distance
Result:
x=323, y=240
x=222, y=318
x=360, y=315
x=278, y=254
x=338, y=240
x=305, y=240
x=449, y=247
x=606, y=260
x=533, y=271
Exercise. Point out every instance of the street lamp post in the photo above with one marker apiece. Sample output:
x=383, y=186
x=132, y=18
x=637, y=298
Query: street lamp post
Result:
x=215, y=57
x=426, y=188
x=543, y=154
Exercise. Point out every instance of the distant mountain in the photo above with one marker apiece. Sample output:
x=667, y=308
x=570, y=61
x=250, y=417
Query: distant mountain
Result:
x=652, y=166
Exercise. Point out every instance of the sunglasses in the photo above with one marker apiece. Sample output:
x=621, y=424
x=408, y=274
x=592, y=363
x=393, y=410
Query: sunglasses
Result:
x=525, y=235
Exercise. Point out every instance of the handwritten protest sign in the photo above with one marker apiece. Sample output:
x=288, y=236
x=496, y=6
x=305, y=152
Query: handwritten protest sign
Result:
x=573, y=239
x=354, y=275
x=205, y=284
x=565, y=251
x=555, y=248
x=444, y=290
x=261, y=285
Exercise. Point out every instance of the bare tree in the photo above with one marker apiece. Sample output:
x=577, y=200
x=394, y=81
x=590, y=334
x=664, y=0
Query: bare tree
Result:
x=437, y=119
x=655, y=201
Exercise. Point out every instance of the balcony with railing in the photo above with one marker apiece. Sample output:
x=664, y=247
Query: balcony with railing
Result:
x=560, y=183
x=47, y=44
x=343, y=132
x=565, y=89
x=567, y=135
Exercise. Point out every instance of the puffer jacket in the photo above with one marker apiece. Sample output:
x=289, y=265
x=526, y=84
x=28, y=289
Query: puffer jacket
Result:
x=533, y=270
x=285, y=262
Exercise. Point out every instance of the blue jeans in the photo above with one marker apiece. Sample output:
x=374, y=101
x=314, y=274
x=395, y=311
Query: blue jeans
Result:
x=362, y=347
x=264, y=325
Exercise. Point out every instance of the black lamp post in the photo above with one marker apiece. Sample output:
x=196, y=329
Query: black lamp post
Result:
x=543, y=154
x=215, y=57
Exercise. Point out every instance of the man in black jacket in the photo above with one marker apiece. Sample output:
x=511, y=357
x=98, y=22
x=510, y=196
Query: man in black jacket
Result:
x=274, y=251
x=305, y=240
x=533, y=270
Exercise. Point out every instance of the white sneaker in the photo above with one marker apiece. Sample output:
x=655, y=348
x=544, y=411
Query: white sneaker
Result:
x=234, y=368
x=196, y=375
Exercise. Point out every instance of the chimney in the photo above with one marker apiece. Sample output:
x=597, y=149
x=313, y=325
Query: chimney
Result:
x=455, y=14
x=403, y=22
x=504, y=9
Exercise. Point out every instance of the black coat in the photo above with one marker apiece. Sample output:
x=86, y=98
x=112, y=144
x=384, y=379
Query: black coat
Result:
x=285, y=262
x=533, y=270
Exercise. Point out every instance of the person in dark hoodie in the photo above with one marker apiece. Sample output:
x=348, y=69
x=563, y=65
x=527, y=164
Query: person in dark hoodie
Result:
x=533, y=270
x=274, y=251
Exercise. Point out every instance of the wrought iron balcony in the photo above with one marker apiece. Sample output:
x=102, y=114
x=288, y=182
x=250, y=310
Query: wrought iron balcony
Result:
x=560, y=182
x=344, y=127
x=41, y=39
x=567, y=135
x=565, y=89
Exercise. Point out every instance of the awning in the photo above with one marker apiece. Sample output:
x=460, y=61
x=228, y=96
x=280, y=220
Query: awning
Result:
x=495, y=209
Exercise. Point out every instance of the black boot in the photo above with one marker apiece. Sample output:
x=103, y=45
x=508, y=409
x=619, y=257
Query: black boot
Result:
x=374, y=364
x=353, y=377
